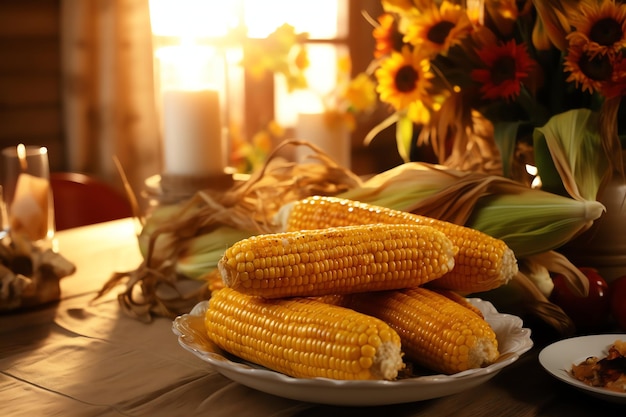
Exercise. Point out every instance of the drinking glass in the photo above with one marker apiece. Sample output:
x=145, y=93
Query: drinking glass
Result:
x=27, y=197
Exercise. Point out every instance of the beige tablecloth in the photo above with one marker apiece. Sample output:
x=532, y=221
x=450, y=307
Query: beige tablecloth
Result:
x=80, y=358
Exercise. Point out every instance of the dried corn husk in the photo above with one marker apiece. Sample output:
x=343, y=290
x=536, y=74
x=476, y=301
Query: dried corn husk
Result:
x=532, y=298
x=157, y=286
x=522, y=298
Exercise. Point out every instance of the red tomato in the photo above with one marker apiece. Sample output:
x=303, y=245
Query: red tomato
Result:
x=618, y=301
x=589, y=313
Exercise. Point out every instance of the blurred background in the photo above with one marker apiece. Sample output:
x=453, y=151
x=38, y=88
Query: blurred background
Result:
x=78, y=76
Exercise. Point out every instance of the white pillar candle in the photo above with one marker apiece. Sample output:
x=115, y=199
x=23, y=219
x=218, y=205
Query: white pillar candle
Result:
x=333, y=138
x=192, y=133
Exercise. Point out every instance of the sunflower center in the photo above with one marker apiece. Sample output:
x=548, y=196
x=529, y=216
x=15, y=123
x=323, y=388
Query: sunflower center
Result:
x=606, y=32
x=439, y=32
x=406, y=79
x=503, y=70
x=597, y=68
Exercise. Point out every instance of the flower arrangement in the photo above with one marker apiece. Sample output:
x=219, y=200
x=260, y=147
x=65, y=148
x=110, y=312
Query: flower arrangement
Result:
x=490, y=83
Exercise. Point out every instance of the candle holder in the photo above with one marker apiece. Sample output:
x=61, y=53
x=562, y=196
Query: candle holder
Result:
x=174, y=188
x=26, y=193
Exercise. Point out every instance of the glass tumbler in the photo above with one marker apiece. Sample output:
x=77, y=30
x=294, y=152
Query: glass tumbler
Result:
x=27, y=196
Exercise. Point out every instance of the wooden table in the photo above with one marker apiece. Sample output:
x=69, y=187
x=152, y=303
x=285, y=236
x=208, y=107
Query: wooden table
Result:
x=79, y=358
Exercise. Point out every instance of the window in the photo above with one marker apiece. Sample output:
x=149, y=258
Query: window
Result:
x=336, y=29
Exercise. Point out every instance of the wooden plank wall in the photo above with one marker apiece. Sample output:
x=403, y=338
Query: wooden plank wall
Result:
x=30, y=93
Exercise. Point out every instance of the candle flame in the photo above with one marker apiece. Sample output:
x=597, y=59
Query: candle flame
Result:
x=21, y=155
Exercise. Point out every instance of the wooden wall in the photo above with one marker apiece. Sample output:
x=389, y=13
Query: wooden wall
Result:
x=30, y=93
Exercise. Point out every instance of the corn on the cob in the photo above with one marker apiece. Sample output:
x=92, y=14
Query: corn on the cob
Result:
x=482, y=263
x=528, y=220
x=337, y=260
x=303, y=338
x=458, y=298
x=436, y=332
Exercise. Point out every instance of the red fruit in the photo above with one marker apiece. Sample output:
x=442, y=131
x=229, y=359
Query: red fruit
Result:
x=618, y=301
x=589, y=313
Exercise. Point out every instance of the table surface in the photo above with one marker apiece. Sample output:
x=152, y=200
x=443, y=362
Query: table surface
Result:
x=83, y=358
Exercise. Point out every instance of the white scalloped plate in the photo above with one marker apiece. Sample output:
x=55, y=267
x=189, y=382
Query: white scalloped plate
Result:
x=513, y=340
x=559, y=357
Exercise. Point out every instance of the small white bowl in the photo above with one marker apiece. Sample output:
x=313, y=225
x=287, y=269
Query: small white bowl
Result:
x=559, y=357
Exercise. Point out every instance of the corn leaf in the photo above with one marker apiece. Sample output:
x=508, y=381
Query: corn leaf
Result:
x=576, y=150
x=389, y=121
x=505, y=136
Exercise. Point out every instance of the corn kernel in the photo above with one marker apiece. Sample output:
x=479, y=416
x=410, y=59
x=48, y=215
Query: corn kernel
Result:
x=296, y=336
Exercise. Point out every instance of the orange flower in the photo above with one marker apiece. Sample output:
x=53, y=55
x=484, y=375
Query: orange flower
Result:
x=589, y=71
x=617, y=86
x=387, y=36
x=507, y=65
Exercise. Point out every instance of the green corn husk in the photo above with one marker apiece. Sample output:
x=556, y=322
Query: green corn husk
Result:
x=158, y=217
x=200, y=254
x=530, y=221
x=569, y=154
x=533, y=221
x=401, y=186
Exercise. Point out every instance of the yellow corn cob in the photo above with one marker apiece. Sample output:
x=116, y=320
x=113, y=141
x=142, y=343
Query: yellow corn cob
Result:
x=436, y=332
x=337, y=260
x=482, y=263
x=343, y=300
x=303, y=338
x=458, y=298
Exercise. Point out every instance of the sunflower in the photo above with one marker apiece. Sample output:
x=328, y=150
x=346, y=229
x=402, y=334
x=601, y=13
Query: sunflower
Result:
x=600, y=27
x=402, y=6
x=589, y=71
x=507, y=65
x=388, y=37
x=361, y=93
x=438, y=29
x=404, y=81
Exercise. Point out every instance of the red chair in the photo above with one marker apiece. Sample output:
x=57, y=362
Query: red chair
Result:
x=80, y=200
